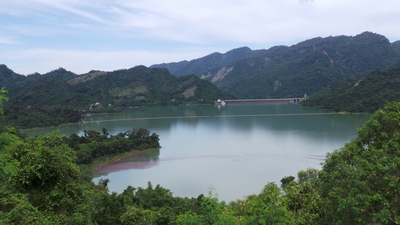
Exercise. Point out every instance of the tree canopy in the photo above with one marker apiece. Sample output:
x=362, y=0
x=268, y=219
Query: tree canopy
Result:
x=360, y=182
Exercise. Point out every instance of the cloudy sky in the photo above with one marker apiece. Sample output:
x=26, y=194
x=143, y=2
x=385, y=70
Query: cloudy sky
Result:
x=81, y=35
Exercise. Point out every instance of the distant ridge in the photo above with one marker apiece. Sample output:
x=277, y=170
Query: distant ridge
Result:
x=303, y=68
x=396, y=46
x=279, y=72
x=206, y=63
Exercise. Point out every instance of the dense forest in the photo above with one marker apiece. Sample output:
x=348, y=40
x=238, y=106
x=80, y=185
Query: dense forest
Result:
x=46, y=180
x=366, y=94
x=94, y=145
x=61, y=96
x=303, y=68
x=39, y=117
x=137, y=86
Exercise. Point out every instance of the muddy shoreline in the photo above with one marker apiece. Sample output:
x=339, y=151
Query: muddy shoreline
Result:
x=133, y=160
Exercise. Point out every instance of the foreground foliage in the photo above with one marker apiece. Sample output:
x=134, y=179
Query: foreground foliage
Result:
x=358, y=184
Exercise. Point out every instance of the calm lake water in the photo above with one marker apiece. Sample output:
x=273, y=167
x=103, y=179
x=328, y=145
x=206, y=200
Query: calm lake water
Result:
x=235, y=149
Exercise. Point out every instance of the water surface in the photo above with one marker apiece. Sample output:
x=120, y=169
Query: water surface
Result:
x=236, y=149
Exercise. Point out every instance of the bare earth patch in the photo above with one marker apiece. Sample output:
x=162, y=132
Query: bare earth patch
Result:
x=189, y=92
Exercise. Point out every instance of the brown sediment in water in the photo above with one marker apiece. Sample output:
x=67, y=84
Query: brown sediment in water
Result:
x=126, y=163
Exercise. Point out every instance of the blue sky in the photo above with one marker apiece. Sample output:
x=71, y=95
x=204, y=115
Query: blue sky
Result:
x=81, y=35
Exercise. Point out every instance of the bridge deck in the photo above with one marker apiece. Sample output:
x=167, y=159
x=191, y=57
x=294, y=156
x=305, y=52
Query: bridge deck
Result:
x=277, y=100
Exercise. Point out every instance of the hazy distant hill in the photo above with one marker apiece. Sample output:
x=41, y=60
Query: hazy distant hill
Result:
x=136, y=86
x=367, y=94
x=304, y=68
x=396, y=46
x=206, y=63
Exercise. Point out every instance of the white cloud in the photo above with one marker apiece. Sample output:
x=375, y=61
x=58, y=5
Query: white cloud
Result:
x=197, y=21
x=71, y=29
x=8, y=41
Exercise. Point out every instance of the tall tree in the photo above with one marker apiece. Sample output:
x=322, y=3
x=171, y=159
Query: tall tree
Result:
x=360, y=182
x=46, y=179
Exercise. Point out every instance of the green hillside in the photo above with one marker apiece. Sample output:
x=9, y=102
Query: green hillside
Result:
x=304, y=68
x=307, y=67
x=9, y=79
x=137, y=86
x=360, y=95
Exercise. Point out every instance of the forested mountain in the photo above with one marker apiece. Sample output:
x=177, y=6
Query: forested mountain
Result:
x=367, y=94
x=9, y=79
x=304, y=68
x=396, y=46
x=209, y=62
x=281, y=71
x=131, y=87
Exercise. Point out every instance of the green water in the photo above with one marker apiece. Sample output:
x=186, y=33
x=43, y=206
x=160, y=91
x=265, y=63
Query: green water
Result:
x=236, y=149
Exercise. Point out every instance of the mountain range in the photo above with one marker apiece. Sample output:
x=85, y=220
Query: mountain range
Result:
x=292, y=71
x=278, y=72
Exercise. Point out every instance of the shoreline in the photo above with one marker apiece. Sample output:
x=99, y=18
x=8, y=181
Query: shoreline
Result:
x=101, y=164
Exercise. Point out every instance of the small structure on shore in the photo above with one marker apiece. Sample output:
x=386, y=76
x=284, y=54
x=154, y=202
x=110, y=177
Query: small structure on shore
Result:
x=96, y=106
x=219, y=102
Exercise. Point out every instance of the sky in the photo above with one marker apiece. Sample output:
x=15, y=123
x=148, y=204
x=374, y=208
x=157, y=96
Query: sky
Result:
x=83, y=35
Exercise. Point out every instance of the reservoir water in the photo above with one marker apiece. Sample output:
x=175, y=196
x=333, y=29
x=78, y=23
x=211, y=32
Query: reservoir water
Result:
x=235, y=149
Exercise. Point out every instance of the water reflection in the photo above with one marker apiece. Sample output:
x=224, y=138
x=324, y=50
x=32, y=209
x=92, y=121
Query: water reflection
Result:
x=139, y=160
x=281, y=117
